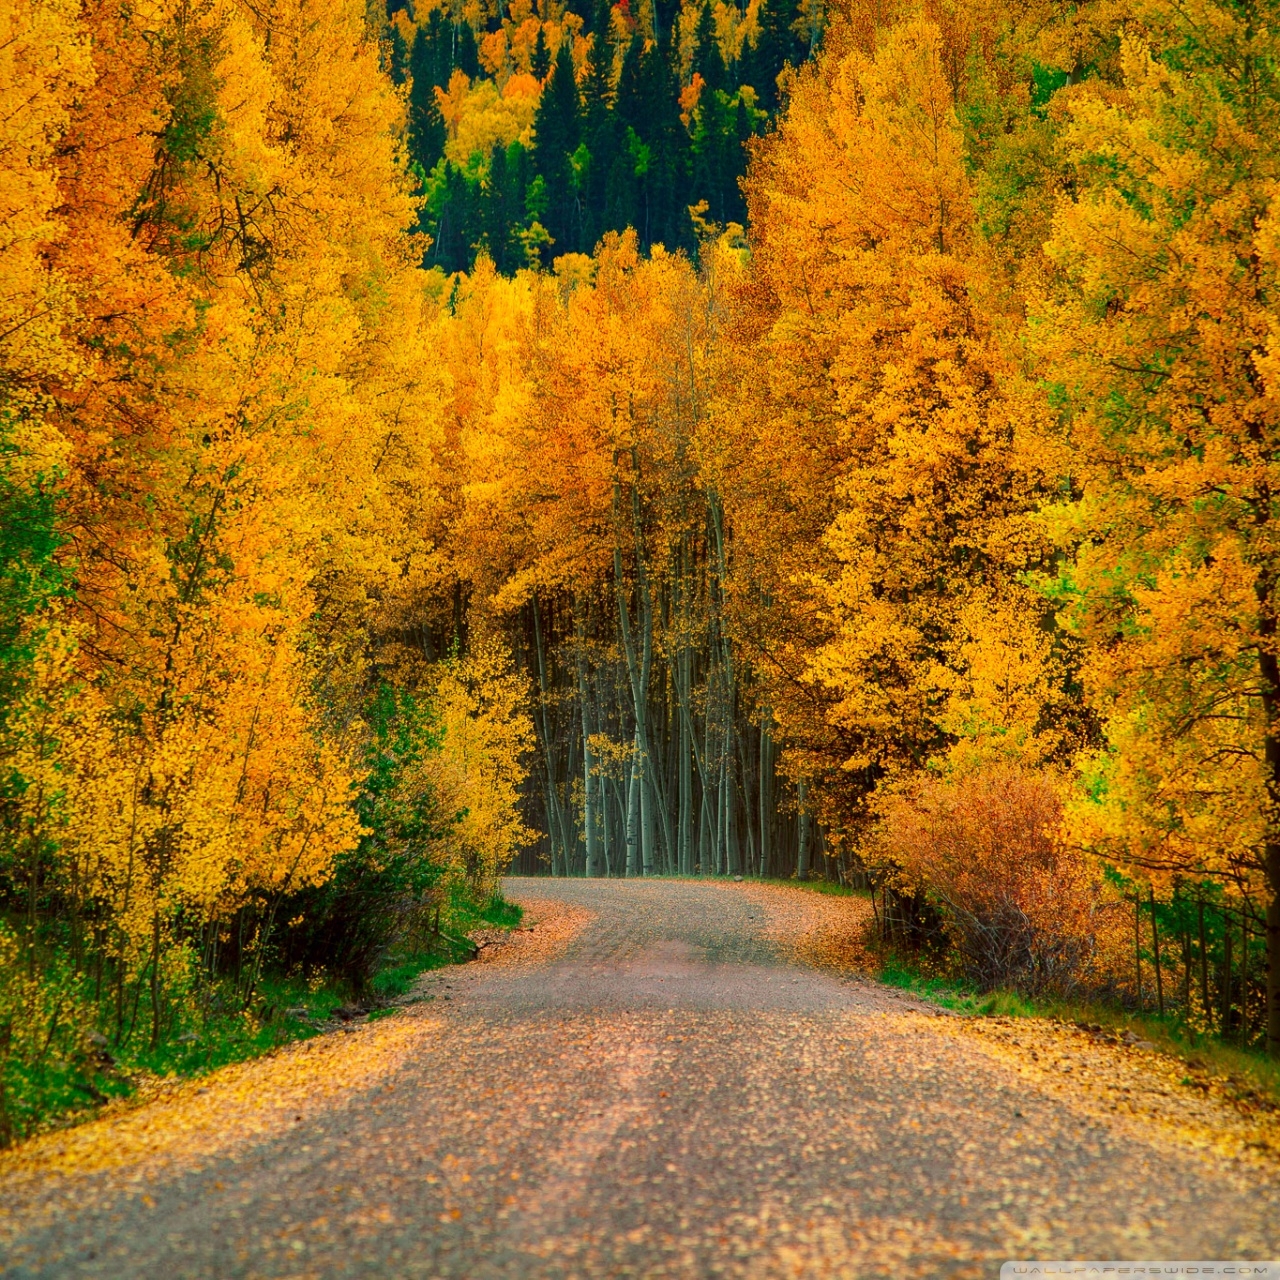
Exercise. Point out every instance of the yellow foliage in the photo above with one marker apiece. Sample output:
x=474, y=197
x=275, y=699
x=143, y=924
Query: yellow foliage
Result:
x=904, y=458
x=481, y=118
x=211, y=327
x=478, y=772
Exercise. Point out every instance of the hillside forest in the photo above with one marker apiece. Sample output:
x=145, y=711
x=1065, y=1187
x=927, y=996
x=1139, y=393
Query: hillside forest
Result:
x=637, y=441
x=532, y=134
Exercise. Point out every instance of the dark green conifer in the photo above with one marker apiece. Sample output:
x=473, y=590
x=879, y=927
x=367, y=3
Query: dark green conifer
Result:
x=665, y=210
x=600, y=133
x=708, y=62
x=455, y=221
x=541, y=62
x=557, y=130
x=428, y=67
x=777, y=44
x=466, y=57
x=397, y=55
x=504, y=215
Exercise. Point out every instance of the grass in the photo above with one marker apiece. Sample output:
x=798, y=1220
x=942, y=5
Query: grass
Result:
x=1248, y=1069
x=816, y=886
x=67, y=1089
x=831, y=887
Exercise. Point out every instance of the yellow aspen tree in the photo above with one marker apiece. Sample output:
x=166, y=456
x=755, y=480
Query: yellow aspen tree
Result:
x=904, y=455
x=1159, y=350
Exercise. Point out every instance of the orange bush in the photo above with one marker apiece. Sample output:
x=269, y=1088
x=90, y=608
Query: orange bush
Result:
x=1020, y=907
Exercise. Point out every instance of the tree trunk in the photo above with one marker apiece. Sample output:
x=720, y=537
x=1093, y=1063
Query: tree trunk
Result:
x=1270, y=670
x=1155, y=943
x=555, y=819
x=766, y=793
x=633, y=815
x=590, y=818
x=802, y=860
x=686, y=771
x=646, y=811
x=1204, y=967
x=1137, y=946
x=1273, y=949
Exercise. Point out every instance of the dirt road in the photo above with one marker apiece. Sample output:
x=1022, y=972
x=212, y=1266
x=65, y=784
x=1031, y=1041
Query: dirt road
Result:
x=652, y=1082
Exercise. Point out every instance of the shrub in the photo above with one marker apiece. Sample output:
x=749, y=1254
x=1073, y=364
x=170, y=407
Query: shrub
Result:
x=384, y=888
x=1019, y=907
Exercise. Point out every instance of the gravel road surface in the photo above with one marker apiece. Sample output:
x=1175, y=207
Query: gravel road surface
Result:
x=648, y=1083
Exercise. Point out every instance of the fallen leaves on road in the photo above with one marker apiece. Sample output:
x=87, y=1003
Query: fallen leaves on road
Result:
x=1154, y=1094
x=183, y=1125
x=179, y=1125
x=825, y=930
x=550, y=926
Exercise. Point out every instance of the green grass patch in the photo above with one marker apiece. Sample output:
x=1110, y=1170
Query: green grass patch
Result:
x=452, y=946
x=815, y=886
x=70, y=1086
x=831, y=887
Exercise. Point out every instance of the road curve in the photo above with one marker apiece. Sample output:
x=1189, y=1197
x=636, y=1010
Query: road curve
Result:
x=657, y=1090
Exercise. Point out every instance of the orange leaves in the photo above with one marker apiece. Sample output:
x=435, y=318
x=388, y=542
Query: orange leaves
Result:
x=1022, y=909
x=44, y=62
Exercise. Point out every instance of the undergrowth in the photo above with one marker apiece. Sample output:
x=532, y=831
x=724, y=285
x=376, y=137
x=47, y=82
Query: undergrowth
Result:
x=1248, y=1068
x=832, y=887
x=59, y=1090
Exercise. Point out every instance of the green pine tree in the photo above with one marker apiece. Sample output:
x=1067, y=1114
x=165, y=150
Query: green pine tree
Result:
x=541, y=62
x=708, y=62
x=557, y=129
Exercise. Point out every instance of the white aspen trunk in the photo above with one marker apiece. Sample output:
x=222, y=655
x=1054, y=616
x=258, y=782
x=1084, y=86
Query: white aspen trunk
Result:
x=639, y=673
x=683, y=678
x=725, y=807
x=633, y=816
x=715, y=753
x=646, y=816
x=706, y=834
x=722, y=816
x=766, y=793
x=657, y=808
x=555, y=818
x=686, y=775
x=747, y=859
x=602, y=787
x=733, y=852
x=590, y=818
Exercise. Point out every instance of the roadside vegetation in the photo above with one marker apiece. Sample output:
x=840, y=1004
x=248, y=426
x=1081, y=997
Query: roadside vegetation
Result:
x=77, y=1074
x=909, y=942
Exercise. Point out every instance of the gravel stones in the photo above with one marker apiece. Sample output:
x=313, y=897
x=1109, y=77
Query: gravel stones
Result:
x=652, y=1080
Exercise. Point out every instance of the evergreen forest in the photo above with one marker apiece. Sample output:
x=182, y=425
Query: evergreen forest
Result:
x=536, y=131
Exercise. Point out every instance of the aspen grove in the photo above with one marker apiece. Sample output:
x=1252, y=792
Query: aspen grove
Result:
x=918, y=532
